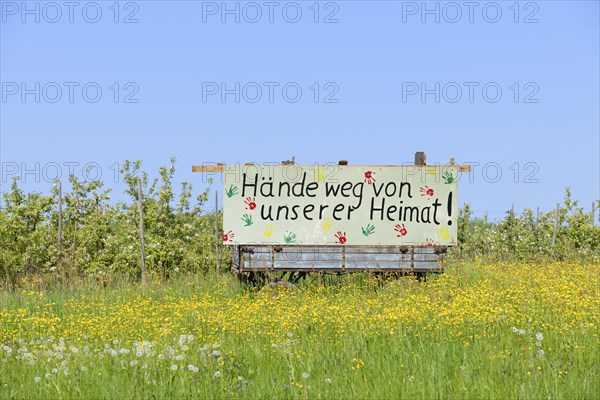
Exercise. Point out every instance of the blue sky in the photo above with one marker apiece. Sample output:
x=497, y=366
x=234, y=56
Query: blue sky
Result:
x=510, y=87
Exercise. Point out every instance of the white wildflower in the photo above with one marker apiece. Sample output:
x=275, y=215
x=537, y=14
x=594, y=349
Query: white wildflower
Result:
x=174, y=367
x=217, y=374
x=305, y=375
x=540, y=353
x=539, y=336
x=37, y=379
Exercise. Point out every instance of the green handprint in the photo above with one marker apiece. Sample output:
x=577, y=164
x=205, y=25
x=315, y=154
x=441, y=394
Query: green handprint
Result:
x=289, y=238
x=231, y=191
x=448, y=177
x=367, y=230
x=247, y=218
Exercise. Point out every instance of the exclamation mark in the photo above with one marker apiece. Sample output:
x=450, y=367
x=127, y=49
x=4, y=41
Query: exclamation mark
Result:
x=450, y=208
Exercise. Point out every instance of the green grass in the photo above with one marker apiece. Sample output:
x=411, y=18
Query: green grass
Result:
x=456, y=336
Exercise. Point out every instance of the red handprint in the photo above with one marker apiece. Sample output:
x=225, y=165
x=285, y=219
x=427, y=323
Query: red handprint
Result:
x=341, y=237
x=426, y=191
x=250, y=201
x=228, y=237
x=369, y=177
x=401, y=229
x=428, y=242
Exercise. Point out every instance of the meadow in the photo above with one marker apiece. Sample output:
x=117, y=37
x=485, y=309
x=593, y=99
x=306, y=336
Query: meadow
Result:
x=480, y=330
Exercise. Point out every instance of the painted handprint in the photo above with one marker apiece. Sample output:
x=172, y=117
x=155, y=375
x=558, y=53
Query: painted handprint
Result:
x=289, y=238
x=326, y=224
x=368, y=230
x=341, y=237
x=247, y=218
x=431, y=171
x=444, y=233
x=426, y=191
x=228, y=237
x=448, y=177
x=320, y=174
x=428, y=242
x=369, y=179
x=250, y=203
x=401, y=229
x=232, y=191
x=268, y=230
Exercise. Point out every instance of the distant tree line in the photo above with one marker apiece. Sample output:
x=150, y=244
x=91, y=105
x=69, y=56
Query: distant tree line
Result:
x=87, y=235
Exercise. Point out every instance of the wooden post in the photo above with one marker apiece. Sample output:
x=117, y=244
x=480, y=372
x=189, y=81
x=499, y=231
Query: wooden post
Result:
x=420, y=158
x=555, y=225
x=420, y=161
x=217, y=234
x=139, y=189
x=60, y=228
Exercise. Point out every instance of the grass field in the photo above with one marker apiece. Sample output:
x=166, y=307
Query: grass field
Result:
x=477, y=331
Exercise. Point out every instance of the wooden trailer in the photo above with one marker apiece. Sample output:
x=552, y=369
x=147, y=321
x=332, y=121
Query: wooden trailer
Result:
x=290, y=220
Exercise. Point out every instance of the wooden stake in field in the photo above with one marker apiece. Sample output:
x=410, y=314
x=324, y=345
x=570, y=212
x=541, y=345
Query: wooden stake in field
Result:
x=60, y=226
x=142, y=232
x=555, y=225
x=217, y=234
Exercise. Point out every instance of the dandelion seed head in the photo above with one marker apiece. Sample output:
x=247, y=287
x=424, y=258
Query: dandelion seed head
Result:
x=539, y=336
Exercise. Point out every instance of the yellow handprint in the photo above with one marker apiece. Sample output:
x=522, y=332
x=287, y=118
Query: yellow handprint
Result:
x=268, y=230
x=320, y=173
x=431, y=171
x=326, y=225
x=443, y=231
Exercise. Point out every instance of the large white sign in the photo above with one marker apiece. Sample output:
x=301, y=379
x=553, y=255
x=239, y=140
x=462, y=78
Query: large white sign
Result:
x=344, y=205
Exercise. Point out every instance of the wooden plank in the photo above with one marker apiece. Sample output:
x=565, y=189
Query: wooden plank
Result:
x=208, y=168
x=221, y=167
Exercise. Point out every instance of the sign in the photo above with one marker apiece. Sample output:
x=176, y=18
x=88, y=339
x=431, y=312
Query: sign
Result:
x=337, y=204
